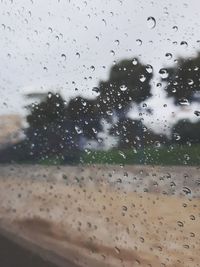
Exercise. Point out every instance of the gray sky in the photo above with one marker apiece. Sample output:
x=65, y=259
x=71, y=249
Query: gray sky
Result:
x=35, y=36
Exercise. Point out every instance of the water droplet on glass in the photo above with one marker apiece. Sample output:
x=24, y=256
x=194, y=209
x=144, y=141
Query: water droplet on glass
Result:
x=180, y=224
x=151, y=21
x=190, y=82
x=63, y=56
x=139, y=42
x=122, y=154
x=149, y=68
x=197, y=113
x=117, y=250
x=78, y=130
x=78, y=54
x=168, y=55
x=142, y=78
x=112, y=52
x=184, y=102
x=184, y=44
x=92, y=68
x=123, y=88
x=96, y=90
x=104, y=21
x=163, y=73
x=187, y=190
x=175, y=28
x=109, y=113
x=117, y=42
x=134, y=61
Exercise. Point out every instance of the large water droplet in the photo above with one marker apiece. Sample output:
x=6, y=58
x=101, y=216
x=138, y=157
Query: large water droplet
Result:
x=163, y=73
x=112, y=52
x=184, y=44
x=175, y=28
x=135, y=62
x=78, y=130
x=139, y=42
x=149, y=68
x=197, y=113
x=184, y=102
x=78, y=55
x=96, y=90
x=187, y=190
x=123, y=88
x=63, y=56
x=151, y=21
x=92, y=68
x=142, y=78
x=190, y=81
x=168, y=55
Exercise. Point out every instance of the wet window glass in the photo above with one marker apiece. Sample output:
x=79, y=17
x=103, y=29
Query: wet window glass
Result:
x=99, y=133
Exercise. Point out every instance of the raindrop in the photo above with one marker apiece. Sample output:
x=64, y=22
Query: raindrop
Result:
x=134, y=61
x=180, y=224
x=177, y=137
x=163, y=73
x=123, y=88
x=78, y=130
x=149, y=68
x=96, y=90
x=63, y=56
x=168, y=55
x=92, y=68
x=187, y=190
x=159, y=85
x=124, y=208
x=151, y=21
x=190, y=82
x=184, y=44
x=175, y=28
x=197, y=113
x=184, y=102
x=157, y=144
x=192, y=217
x=142, y=78
x=104, y=21
x=117, y=250
x=112, y=52
x=122, y=154
x=139, y=42
x=109, y=113
x=78, y=54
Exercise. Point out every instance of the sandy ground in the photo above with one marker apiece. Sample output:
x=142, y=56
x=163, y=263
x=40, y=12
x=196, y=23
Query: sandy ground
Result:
x=104, y=216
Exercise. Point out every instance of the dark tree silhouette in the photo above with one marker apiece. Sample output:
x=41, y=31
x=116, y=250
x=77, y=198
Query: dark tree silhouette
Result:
x=185, y=131
x=183, y=80
x=84, y=113
x=57, y=129
x=47, y=134
x=134, y=134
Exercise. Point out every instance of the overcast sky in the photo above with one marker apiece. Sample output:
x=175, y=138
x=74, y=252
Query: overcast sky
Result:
x=70, y=45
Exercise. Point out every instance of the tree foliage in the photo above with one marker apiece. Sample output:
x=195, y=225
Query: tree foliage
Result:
x=186, y=132
x=183, y=80
x=129, y=81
